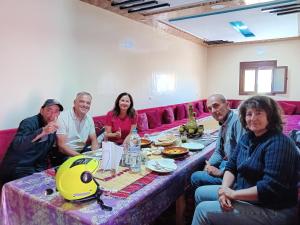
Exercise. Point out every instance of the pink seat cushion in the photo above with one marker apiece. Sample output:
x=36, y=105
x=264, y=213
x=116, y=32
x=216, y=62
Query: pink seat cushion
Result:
x=142, y=122
x=288, y=109
x=168, y=116
x=180, y=112
x=154, y=119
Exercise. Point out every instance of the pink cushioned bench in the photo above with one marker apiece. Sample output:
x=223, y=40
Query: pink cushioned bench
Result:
x=6, y=136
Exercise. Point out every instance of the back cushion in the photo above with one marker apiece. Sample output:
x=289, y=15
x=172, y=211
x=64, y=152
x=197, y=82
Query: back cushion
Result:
x=196, y=110
x=168, y=116
x=230, y=103
x=200, y=106
x=288, y=109
x=6, y=137
x=154, y=119
x=180, y=112
x=99, y=127
x=142, y=122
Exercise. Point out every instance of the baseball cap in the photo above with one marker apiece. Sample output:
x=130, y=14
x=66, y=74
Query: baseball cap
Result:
x=52, y=101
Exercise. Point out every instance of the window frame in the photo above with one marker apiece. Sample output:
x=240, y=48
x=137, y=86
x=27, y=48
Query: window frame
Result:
x=257, y=65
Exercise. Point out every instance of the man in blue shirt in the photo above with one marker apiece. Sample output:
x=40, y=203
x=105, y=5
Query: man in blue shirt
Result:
x=229, y=134
x=34, y=139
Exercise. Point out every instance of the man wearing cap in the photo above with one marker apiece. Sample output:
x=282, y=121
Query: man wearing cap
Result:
x=76, y=127
x=34, y=139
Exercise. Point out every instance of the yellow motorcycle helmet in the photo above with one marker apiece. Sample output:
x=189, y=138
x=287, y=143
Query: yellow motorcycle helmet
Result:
x=74, y=178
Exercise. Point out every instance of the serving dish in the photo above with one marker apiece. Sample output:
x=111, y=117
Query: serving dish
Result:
x=174, y=152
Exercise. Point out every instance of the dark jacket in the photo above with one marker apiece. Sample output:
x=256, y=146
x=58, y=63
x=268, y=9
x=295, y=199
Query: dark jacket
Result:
x=24, y=157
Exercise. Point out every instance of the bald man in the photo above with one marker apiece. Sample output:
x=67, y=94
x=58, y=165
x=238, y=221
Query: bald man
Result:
x=229, y=134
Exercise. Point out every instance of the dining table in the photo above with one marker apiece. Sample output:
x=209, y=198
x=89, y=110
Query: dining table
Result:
x=29, y=201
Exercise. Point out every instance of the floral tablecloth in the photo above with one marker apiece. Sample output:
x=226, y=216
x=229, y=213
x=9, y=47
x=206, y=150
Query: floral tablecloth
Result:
x=24, y=201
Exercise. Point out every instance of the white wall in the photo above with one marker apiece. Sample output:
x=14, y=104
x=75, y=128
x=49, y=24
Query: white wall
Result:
x=55, y=48
x=223, y=66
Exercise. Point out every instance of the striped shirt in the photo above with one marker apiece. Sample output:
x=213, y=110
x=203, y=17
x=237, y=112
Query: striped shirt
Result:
x=270, y=163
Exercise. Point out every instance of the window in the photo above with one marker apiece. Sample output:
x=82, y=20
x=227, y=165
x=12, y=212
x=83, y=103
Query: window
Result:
x=262, y=77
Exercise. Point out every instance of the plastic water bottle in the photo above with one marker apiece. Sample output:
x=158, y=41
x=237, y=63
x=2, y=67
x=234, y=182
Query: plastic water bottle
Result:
x=134, y=152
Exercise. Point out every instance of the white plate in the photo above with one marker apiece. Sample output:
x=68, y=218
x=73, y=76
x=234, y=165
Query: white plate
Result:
x=193, y=146
x=161, y=165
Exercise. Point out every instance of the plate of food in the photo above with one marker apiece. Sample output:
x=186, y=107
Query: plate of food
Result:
x=165, y=140
x=175, y=151
x=161, y=165
x=145, y=142
x=193, y=146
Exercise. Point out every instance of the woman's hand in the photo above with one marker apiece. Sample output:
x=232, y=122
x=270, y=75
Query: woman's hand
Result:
x=118, y=133
x=212, y=170
x=226, y=194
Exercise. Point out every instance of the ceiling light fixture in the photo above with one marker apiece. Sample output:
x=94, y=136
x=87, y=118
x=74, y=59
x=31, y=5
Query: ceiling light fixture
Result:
x=241, y=28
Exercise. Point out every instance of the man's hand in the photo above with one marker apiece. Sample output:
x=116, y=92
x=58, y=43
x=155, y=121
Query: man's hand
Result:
x=50, y=128
x=212, y=170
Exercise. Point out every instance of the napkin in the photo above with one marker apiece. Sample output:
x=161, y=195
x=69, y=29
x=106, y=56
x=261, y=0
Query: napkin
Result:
x=111, y=155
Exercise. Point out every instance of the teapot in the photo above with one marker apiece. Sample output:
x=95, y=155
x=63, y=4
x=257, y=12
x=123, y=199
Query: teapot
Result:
x=191, y=128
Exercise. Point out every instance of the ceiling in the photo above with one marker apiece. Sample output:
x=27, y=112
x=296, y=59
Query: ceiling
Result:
x=208, y=21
